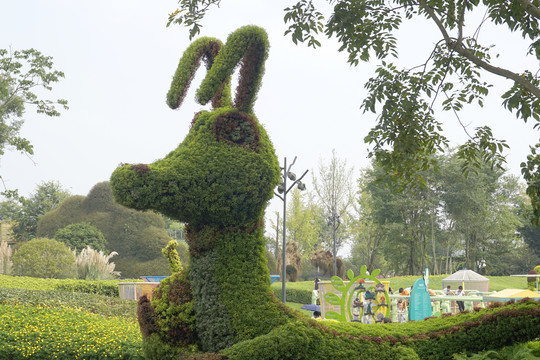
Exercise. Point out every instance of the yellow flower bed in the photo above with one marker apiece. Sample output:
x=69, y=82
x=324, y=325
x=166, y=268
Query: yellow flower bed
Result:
x=65, y=333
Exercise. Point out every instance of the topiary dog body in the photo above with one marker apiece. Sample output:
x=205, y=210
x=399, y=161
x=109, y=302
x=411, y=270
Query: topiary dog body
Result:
x=218, y=181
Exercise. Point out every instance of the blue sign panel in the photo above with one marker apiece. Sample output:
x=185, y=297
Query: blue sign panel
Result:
x=420, y=303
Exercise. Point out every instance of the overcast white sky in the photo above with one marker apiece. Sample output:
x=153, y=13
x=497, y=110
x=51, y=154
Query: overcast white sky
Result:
x=119, y=58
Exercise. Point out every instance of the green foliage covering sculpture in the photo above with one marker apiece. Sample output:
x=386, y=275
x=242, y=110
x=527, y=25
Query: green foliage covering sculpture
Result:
x=218, y=181
x=172, y=257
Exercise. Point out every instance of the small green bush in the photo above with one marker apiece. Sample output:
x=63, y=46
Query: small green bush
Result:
x=172, y=257
x=168, y=321
x=45, y=258
x=79, y=236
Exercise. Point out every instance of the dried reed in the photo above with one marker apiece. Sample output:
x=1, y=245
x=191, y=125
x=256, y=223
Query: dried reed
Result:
x=95, y=265
x=5, y=258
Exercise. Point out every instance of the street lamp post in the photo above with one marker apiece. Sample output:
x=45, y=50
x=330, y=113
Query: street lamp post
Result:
x=282, y=189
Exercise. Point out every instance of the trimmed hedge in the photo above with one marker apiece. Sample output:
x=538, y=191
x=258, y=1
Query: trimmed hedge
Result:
x=137, y=237
x=439, y=338
x=299, y=296
x=102, y=287
x=96, y=304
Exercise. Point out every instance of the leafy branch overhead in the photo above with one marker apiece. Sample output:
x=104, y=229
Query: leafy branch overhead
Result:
x=22, y=75
x=407, y=133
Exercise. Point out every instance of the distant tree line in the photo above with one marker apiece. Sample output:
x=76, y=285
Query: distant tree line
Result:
x=479, y=221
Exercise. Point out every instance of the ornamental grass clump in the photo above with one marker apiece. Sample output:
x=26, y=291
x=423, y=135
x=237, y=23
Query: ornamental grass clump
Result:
x=6, y=264
x=94, y=265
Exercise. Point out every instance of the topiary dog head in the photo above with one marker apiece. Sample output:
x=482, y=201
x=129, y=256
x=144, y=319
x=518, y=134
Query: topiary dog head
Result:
x=225, y=170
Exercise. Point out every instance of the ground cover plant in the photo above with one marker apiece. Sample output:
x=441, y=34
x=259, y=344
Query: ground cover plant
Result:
x=37, y=332
x=38, y=321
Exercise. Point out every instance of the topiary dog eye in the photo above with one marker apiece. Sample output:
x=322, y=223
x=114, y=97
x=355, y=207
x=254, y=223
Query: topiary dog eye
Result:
x=237, y=128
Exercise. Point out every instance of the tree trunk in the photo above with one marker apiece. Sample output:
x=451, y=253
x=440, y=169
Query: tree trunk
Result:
x=435, y=267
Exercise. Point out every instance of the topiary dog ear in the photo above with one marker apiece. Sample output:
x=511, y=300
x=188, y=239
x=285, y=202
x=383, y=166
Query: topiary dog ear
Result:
x=249, y=47
x=207, y=49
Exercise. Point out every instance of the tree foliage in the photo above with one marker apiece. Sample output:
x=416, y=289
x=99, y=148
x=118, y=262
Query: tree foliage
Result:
x=136, y=236
x=301, y=224
x=44, y=258
x=407, y=133
x=26, y=212
x=453, y=222
x=21, y=74
x=80, y=235
x=334, y=193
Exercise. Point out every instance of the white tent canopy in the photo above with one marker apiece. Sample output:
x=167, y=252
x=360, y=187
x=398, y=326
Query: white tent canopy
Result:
x=469, y=279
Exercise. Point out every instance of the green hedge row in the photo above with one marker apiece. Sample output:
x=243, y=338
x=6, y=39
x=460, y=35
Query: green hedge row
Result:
x=55, y=333
x=101, y=287
x=94, y=303
x=299, y=296
x=440, y=338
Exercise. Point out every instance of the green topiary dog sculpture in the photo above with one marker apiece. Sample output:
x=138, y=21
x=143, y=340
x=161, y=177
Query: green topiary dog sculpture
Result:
x=218, y=181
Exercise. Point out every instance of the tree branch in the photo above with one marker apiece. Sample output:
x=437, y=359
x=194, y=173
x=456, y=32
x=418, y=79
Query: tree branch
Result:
x=437, y=21
x=460, y=23
x=460, y=49
x=530, y=8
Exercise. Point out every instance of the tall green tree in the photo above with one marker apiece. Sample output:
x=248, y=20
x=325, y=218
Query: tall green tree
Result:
x=403, y=220
x=301, y=222
x=407, y=133
x=21, y=74
x=365, y=234
x=26, y=212
x=79, y=236
x=453, y=222
x=333, y=186
x=484, y=210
